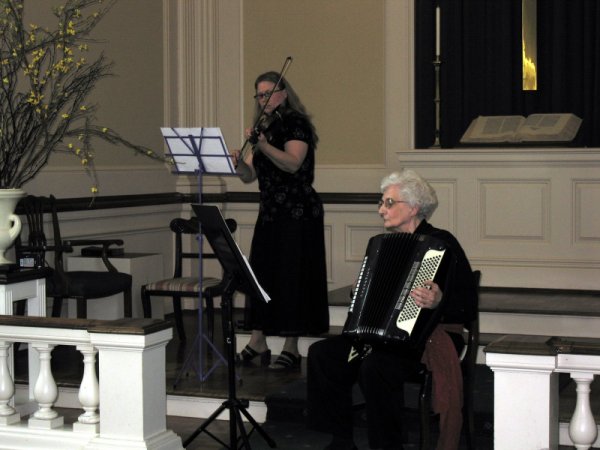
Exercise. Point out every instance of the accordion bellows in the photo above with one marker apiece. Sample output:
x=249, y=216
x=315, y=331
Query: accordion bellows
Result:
x=382, y=309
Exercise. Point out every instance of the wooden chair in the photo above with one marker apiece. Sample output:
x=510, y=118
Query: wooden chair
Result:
x=178, y=286
x=60, y=283
x=468, y=364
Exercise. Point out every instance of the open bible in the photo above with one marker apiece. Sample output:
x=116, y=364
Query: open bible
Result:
x=518, y=129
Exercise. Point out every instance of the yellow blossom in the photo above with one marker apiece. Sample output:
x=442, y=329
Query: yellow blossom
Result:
x=104, y=130
x=65, y=116
x=35, y=98
x=94, y=190
x=84, y=162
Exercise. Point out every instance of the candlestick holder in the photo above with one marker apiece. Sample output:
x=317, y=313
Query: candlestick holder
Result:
x=437, y=66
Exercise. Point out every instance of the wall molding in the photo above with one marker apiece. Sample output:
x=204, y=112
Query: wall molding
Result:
x=501, y=157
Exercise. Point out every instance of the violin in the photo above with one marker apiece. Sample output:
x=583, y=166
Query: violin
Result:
x=264, y=122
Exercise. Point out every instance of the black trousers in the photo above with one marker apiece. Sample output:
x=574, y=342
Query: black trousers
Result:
x=380, y=375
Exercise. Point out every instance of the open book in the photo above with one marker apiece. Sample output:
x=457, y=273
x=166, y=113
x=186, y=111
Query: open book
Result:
x=517, y=129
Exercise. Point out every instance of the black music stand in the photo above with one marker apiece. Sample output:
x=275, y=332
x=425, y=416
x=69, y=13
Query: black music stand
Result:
x=239, y=277
x=198, y=151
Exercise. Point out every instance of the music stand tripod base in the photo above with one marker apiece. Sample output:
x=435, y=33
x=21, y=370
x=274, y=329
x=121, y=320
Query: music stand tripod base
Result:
x=236, y=407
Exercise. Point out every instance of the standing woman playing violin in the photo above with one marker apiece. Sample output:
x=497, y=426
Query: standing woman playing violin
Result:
x=288, y=247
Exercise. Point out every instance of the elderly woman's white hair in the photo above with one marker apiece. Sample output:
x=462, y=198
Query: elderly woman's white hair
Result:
x=414, y=190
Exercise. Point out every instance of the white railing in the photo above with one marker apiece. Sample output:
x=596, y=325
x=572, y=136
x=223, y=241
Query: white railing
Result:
x=526, y=397
x=125, y=410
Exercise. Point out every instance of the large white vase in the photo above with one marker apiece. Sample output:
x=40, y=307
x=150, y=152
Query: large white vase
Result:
x=10, y=223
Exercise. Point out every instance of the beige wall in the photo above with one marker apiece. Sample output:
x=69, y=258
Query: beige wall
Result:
x=130, y=102
x=341, y=85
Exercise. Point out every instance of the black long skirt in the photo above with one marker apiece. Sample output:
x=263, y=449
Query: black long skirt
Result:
x=288, y=259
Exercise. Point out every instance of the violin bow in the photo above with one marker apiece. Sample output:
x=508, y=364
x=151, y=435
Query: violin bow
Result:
x=282, y=72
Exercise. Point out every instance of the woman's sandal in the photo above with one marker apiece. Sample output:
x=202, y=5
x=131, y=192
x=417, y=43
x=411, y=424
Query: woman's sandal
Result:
x=286, y=361
x=248, y=354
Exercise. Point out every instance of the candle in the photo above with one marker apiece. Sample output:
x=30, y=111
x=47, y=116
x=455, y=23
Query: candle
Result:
x=437, y=30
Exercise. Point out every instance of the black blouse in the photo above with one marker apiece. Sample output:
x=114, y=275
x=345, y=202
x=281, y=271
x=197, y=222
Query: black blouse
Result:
x=459, y=302
x=284, y=194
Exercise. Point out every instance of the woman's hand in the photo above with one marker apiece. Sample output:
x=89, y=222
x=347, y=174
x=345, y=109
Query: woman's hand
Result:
x=429, y=296
x=243, y=167
x=288, y=160
x=235, y=157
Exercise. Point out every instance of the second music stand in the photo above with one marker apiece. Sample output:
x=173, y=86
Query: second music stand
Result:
x=239, y=277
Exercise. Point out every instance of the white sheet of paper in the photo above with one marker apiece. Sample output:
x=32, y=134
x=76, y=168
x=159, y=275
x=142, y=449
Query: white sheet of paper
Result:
x=210, y=143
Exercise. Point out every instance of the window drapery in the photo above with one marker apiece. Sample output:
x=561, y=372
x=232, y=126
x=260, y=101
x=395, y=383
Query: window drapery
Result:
x=481, y=65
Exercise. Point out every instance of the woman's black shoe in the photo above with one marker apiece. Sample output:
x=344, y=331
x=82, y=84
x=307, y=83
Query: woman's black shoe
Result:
x=248, y=355
x=286, y=361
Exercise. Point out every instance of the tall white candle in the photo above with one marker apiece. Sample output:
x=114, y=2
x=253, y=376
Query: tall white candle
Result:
x=437, y=30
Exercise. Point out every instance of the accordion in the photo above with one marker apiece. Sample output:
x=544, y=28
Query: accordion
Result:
x=382, y=309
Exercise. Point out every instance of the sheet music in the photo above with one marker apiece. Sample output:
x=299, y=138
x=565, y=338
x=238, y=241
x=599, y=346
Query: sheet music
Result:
x=199, y=149
x=264, y=293
x=247, y=263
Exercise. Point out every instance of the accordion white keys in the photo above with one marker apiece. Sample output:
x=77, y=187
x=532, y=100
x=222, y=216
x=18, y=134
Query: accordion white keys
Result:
x=382, y=309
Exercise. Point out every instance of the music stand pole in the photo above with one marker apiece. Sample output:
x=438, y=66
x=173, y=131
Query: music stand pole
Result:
x=192, y=357
x=236, y=407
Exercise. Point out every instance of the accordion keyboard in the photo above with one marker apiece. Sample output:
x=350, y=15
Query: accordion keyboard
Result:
x=426, y=271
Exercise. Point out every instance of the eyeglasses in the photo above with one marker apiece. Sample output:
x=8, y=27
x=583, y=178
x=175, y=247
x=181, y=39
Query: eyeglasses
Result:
x=266, y=95
x=389, y=202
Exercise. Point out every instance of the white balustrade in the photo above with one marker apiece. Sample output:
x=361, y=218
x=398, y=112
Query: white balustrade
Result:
x=133, y=412
x=526, y=391
x=45, y=392
x=89, y=396
x=8, y=415
x=582, y=429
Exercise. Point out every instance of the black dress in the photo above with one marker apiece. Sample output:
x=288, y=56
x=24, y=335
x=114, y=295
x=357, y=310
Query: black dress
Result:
x=288, y=246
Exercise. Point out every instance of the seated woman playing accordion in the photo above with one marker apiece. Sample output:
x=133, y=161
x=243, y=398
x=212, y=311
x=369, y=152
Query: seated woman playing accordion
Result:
x=334, y=365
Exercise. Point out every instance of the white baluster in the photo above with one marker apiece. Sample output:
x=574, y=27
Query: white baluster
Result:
x=45, y=392
x=89, y=393
x=582, y=428
x=8, y=415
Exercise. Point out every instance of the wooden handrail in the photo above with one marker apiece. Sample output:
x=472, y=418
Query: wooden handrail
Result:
x=130, y=201
x=125, y=326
